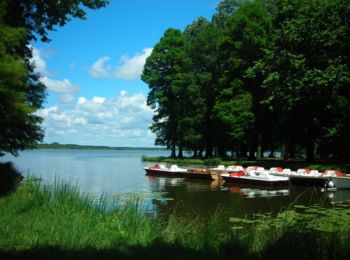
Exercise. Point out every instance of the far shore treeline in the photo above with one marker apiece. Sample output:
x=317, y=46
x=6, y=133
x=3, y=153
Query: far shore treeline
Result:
x=56, y=145
x=262, y=75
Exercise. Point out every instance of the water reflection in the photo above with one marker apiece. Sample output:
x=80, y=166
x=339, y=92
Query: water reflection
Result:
x=254, y=193
x=112, y=173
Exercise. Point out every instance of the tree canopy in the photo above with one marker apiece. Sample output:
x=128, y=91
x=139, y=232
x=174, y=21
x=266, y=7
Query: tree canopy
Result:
x=261, y=75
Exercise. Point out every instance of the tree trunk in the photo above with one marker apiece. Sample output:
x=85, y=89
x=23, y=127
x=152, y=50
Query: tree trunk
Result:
x=243, y=151
x=252, y=150
x=200, y=154
x=173, y=150
x=195, y=153
x=208, y=152
x=259, y=154
x=222, y=152
x=291, y=148
x=180, y=153
x=310, y=149
x=284, y=153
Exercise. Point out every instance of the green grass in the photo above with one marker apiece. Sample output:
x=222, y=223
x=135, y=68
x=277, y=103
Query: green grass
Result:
x=57, y=222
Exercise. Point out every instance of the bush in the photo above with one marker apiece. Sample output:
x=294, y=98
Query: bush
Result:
x=9, y=178
x=212, y=161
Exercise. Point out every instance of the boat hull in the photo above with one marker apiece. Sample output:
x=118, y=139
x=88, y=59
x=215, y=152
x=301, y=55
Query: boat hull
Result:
x=309, y=180
x=201, y=174
x=341, y=182
x=254, y=181
x=162, y=173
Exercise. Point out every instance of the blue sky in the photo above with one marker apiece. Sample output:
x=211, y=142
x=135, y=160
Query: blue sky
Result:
x=92, y=70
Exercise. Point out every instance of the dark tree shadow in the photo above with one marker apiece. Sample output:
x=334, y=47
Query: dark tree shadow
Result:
x=9, y=178
x=295, y=245
x=157, y=250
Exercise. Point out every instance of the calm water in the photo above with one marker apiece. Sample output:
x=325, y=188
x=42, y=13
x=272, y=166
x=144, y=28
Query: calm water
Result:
x=113, y=173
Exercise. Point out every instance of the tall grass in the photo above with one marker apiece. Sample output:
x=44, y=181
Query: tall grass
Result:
x=57, y=221
x=44, y=216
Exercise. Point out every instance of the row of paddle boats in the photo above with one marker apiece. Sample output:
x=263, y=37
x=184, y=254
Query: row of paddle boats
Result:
x=257, y=175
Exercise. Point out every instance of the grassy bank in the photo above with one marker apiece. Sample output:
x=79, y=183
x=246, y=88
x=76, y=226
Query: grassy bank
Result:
x=58, y=222
x=267, y=163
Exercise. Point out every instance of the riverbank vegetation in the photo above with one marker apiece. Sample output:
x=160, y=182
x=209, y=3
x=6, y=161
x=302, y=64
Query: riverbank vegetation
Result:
x=262, y=75
x=56, y=222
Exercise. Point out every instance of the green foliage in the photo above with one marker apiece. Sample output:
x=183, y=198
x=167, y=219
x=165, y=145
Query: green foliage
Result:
x=165, y=73
x=323, y=226
x=58, y=222
x=262, y=75
x=21, y=92
x=212, y=161
x=183, y=161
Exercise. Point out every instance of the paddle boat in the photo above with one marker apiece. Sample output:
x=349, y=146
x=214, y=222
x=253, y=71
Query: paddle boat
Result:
x=338, y=180
x=315, y=178
x=255, y=175
x=235, y=168
x=162, y=170
x=207, y=174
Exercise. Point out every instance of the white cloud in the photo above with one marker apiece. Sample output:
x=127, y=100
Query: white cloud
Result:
x=123, y=93
x=60, y=86
x=99, y=69
x=38, y=61
x=66, y=98
x=116, y=121
x=130, y=67
x=64, y=87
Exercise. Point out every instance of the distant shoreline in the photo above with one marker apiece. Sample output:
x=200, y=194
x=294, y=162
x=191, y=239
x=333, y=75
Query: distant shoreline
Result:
x=92, y=147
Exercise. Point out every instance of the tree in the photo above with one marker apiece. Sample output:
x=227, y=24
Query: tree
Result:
x=19, y=126
x=247, y=32
x=164, y=73
x=203, y=38
x=307, y=71
x=21, y=92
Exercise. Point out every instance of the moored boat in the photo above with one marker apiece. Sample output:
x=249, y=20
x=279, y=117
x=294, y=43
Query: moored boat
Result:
x=340, y=182
x=208, y=174
x=263, y=178
x=235, y=168
x=162, y=170
x=314, y=177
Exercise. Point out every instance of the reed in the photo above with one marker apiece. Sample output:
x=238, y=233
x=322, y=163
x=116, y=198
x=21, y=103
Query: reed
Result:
x=57, y=221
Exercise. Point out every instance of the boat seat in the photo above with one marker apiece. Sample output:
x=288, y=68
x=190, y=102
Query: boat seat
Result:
x=287, y=171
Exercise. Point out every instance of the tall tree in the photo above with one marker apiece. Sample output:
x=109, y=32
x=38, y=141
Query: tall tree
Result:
x=307, y=70
x=203, y=38
x=247, y=32
x=163, y=72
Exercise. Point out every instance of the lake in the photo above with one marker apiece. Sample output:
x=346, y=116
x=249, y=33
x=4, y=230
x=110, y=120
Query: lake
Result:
x=112, y=173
